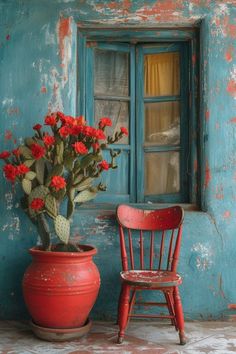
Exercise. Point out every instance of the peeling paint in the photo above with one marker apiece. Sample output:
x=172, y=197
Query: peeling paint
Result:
x=64, y=34
x=8, y=135
x=202, y=256
x=207, y=176
x=227, y=214
x=229, y=54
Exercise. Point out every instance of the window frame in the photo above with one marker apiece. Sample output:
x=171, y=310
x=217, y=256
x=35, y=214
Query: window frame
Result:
x=135, y=35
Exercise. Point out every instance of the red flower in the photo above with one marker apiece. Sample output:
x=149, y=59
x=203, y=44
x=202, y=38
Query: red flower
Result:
x=124, y=131
x=37, y=151
x=60, y=115
x=95, y=146
x=22, y=169
x=80, y=148
x=16, y=152
x=58, y=182
x=89, y=131
x=37, y=126
x=64, y=131
x=105, y=122
x=104, y=165
x=37, y=204
x=5, y=155
x=100, y=134
x=68, y=120
x=48, y=140
x=10, y=172
x=76, y=130
x=50, y=120
x=80, y=120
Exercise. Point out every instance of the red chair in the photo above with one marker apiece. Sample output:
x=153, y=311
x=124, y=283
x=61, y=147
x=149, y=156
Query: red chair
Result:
x=157, y=235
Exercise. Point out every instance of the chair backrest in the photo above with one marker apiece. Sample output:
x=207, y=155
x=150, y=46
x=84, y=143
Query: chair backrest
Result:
x=156, y=233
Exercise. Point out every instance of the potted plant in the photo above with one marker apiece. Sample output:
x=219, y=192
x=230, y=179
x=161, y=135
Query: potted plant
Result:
x=57, y=169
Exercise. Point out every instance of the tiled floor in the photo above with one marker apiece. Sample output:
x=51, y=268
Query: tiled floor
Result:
x=142, y=337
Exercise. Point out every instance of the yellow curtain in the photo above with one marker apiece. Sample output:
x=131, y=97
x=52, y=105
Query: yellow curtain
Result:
x=161, y=78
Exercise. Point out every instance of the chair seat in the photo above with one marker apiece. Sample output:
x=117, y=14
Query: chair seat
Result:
x=151, y=278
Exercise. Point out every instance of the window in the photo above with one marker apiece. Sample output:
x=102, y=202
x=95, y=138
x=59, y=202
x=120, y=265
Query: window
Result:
x=145, y=87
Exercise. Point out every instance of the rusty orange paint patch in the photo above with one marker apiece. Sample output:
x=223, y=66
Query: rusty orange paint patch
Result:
x=207, y=176
x=227, y=214
x=64, y=30
x=231, y=88
x=229, y=54
x=8, y=135
x=43, y=89
x=233, y=120
x=232, y=31
x=207, y=115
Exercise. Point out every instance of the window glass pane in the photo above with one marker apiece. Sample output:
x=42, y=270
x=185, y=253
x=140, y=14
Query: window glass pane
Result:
x=162, y=123
x=162, y=173
x=111, y=73
x=161, y=74
x=117, y=111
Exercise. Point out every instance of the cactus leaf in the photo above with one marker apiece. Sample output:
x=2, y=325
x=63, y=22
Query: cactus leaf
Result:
x=39, y=169
x=51, y=205
x=86, y=160
x=57, y=170
x=29, y=163
x=29, y=141
x=30, y=175
x=85, y=184
x=26, y=152
x=62, y=228
x=70, y=208
x=37, y=192
x=27, y=186
x=85, y=196
x=68, y=162
x=60, y=150
x=43, y=231
x=60, y=194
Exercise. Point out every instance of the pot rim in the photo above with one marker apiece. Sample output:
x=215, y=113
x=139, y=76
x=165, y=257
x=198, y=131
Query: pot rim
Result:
x=89, y=250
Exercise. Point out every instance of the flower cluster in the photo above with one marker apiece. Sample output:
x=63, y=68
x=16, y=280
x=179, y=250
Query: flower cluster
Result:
x=61, y=163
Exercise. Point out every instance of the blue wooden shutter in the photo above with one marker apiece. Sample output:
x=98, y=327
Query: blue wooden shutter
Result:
x=120, y=182
x=183, y=147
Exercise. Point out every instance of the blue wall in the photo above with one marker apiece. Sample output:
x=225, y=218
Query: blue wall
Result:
x=38, y=73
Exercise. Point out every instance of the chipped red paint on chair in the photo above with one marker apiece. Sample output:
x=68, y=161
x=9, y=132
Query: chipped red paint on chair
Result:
x=156, y=271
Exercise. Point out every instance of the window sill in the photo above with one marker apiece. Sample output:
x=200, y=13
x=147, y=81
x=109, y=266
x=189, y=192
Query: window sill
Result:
x=113, y=206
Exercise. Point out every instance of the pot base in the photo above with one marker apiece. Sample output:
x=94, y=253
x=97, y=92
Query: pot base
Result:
x=60, y=334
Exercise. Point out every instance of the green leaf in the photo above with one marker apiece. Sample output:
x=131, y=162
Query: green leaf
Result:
x=29, y=141
x=29, y=163
x=70, y=208
x=69, y=162
x=86, y=160
x=30, y=175
x=85, y=184
x=37, y=192
x=59, y=151
x=26, y=152
x=51, y=205
x=43, y=231
x=26, y=185
x=57, y=170
x=62, y=228
x=85, y=196
x=39, y=169
x=60, y=194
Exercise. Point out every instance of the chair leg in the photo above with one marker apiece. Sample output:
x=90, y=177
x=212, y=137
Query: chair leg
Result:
x=118, y=309
x=170, y=305
x=179, y=315
x=123, y=311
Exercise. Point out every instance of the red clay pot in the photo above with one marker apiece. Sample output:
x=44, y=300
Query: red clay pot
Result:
x=60, y=288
